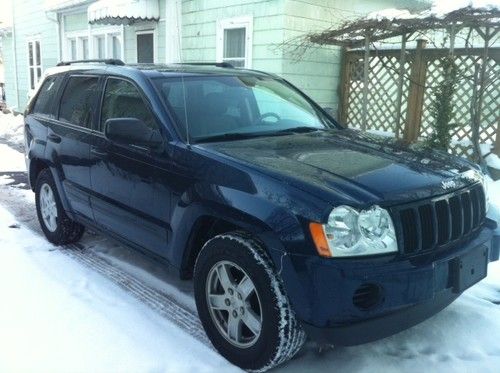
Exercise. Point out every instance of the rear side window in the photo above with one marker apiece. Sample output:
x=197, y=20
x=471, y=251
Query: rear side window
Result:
x=45, y=98
x=78, y=103
x=123, y=100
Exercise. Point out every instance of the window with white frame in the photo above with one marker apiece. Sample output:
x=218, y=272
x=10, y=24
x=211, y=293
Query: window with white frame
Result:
x=34, y=62
x=100, y=46
x=72, y=49
x=78, y=47
x=115, y=47
x=94, y=43
x=108, y=45
x=234, y=41
x=84, y=43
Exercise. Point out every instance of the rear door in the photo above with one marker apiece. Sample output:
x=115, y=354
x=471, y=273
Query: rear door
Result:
x=132, y=193
x=69, y=136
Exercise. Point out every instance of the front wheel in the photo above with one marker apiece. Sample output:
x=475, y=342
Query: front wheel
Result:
x=242, y=304
x=56, y=225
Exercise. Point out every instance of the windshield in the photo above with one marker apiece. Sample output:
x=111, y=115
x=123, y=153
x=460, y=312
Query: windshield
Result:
x=230, y=106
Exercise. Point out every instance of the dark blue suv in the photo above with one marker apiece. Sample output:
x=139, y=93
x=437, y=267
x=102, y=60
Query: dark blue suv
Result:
x=290, y=224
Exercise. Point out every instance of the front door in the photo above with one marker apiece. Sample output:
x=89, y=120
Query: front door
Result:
x=130, y=185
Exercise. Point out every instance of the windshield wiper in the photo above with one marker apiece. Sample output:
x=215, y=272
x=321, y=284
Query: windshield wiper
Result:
x=248, y=135
x=302, y=129
x=227, y=137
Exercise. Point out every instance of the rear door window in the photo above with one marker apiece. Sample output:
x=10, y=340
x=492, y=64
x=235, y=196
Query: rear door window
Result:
x=123, y=100
x=44, y=104
x=79, y=101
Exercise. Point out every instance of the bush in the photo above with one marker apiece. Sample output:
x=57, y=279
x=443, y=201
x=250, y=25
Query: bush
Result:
x=442, y=105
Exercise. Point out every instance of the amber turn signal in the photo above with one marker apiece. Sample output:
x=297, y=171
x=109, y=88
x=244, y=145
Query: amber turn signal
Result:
x=319, y=238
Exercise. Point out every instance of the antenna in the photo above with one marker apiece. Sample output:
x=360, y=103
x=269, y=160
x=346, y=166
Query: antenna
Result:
x=179, y=49
x=186, y=120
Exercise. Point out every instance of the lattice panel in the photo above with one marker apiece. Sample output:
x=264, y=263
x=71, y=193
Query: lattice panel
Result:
x=383, y=79
x=382, y=105
x=462, y=134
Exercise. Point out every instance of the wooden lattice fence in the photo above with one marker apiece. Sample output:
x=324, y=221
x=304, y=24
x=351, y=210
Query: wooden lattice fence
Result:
x=393, y=103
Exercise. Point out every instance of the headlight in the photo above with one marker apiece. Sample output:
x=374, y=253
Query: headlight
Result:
x=352, y=233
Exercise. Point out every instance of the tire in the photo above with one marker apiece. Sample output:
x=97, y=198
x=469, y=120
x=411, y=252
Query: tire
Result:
x=56, y=225
x=279, y=337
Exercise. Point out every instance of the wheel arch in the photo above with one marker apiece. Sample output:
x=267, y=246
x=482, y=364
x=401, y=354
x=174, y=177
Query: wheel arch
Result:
x=208, y=226
x=36, y=166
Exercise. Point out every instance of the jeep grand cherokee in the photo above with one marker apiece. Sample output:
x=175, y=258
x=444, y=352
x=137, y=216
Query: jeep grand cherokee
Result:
x=290, y=224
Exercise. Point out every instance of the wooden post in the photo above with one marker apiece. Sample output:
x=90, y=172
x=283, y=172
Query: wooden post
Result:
x=366, y=70
x=344, y=88
x=399, y=99
x=416, y=94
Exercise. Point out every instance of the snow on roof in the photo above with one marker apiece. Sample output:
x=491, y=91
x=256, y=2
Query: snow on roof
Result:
x=392, y=22
x=442, y=7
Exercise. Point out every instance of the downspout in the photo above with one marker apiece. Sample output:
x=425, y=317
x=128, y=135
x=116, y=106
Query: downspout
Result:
x=14, y=55
x=58, y=32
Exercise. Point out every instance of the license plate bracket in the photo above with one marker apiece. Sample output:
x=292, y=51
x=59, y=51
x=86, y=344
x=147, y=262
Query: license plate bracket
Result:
x=469, y=269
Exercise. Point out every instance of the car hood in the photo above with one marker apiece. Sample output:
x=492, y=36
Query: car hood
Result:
x=350, y=166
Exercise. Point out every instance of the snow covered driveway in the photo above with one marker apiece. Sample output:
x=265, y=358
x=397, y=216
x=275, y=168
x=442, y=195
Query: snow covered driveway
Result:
x=99, y=306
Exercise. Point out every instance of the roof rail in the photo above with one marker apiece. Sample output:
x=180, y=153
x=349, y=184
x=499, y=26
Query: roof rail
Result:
x=216, y=64
x=108, y=61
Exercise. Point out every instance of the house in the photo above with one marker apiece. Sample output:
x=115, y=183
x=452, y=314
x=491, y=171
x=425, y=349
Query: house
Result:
x=245, y=33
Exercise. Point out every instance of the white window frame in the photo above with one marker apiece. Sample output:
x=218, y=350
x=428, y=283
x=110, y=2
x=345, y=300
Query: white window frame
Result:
x=70, y=51
x=109, y=40
x=36, y=64
x=78, y=37
x=91, y=34
x=245, y=22
x=95, y=50
x=155, y=42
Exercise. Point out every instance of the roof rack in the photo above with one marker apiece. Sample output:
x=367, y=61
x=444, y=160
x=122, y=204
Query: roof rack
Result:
x=216, y=64
x=108, y=61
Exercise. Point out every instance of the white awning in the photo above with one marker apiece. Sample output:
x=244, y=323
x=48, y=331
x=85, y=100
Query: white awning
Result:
x=123, y=12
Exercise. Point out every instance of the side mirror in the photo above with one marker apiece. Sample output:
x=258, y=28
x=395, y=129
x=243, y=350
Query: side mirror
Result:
x=132, y=131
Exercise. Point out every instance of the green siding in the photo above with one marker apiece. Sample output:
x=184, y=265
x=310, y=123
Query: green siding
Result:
x=75, y=22
x=316, y=70
x=30, y=22
x=8, y=60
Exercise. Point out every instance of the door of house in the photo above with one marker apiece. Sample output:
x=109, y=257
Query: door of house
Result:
x=145, y=47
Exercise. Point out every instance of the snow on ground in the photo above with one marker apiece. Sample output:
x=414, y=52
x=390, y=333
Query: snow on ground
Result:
x=10, y=159
x=491, y=159
x=494, y=197
x=59, y=314
x=12, y=128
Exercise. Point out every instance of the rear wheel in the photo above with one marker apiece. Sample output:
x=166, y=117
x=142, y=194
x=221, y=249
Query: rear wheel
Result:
x=56, y=225
x=242, y=303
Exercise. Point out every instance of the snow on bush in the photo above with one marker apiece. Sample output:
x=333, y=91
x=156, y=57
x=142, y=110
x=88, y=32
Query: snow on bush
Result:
x=12, y=128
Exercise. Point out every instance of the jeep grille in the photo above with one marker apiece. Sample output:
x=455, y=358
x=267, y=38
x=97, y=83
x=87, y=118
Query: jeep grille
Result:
x=435, y=223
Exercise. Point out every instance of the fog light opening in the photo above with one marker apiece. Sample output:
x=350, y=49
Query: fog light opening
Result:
x=367, y=296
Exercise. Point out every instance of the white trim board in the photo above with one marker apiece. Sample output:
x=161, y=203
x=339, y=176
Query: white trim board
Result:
x=233, y=23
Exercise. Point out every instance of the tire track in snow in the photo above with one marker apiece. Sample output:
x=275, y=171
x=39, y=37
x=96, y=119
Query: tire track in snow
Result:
x=160, y=302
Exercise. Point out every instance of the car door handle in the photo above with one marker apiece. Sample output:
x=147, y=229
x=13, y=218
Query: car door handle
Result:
x=97, y=152
x=54, y=138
